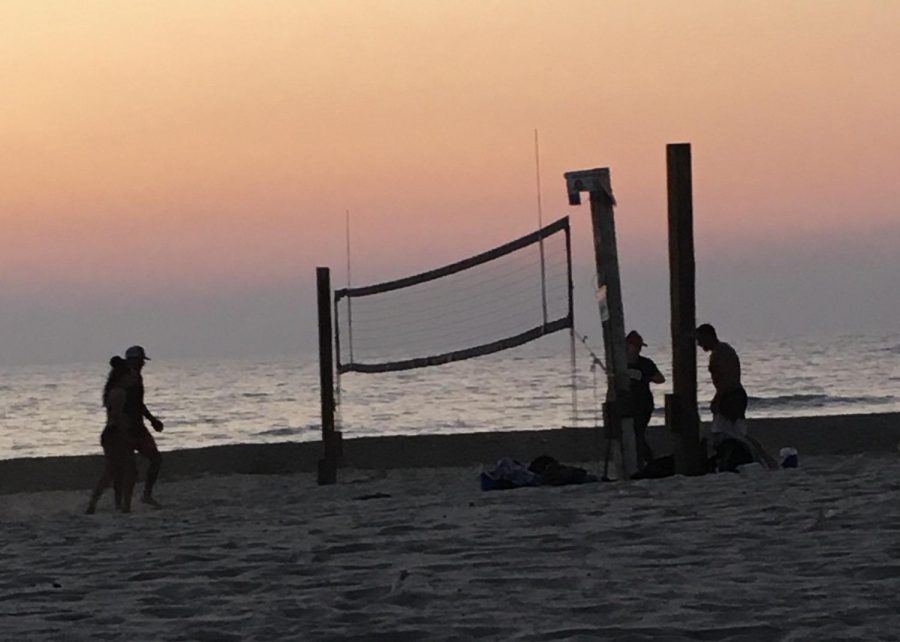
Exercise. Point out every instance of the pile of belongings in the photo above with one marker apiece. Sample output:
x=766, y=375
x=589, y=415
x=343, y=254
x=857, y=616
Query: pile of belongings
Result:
x=543, y=471
x=730, y=454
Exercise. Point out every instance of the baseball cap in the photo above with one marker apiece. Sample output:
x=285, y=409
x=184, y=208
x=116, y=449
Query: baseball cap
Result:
x=136, y=352
x=635, y=338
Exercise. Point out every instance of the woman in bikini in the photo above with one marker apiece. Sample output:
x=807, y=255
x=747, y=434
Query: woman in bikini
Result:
x=117, y=439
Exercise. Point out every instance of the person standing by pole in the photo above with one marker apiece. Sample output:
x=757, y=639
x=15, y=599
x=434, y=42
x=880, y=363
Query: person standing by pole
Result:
x=136, y=411
x=642, y=372
x=729, y=445
x=729, y=405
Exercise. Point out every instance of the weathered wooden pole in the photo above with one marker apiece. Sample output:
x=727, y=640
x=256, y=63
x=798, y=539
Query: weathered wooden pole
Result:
x=618, y=413
x=681, y=406
x=330, y=440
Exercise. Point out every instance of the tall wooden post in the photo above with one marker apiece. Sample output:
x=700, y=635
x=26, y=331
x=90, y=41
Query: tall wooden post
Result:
x=618, y=412
x=330, y=440
x=681, y=406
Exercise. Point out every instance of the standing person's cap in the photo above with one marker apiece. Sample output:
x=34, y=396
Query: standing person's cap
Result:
x=635, y=338
x=136, y=352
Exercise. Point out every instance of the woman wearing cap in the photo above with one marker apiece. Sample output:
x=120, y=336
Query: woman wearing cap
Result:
x=642, y=372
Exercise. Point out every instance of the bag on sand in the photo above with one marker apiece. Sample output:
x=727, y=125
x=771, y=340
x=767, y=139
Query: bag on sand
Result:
x=553, y=473
x=508, y=473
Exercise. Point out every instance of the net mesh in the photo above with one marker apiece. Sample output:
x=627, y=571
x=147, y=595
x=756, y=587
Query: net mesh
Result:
x=496, y=300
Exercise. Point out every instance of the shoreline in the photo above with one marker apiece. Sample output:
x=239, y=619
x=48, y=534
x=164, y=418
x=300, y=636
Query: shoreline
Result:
x=876, y=433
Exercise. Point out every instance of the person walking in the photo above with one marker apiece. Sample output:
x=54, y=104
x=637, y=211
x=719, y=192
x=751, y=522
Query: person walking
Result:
x=136, y=410
x=117, y=440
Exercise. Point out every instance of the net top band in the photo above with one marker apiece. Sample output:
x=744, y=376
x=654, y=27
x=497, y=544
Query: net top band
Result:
x=452, y=268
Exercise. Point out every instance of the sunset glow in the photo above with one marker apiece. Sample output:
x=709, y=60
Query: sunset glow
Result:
x=218, y=144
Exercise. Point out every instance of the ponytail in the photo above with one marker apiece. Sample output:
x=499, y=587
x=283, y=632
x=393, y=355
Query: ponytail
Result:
x=118, y=368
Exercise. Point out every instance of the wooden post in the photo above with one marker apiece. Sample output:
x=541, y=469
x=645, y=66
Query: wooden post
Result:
x=681, y=406
x=618, y=410
x=330, y=440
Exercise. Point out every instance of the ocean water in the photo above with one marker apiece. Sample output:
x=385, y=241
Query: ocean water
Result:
x=56, y=410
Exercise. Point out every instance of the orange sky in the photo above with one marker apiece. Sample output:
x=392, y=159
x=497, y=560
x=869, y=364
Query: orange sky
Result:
x=214, y=143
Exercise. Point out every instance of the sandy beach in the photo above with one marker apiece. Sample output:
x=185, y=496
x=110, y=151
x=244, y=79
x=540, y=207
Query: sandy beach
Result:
x=423, y=554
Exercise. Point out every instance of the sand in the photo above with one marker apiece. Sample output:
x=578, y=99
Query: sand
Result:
x=423, y=554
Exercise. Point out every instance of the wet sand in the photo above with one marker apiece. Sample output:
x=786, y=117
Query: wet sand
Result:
x=823, y=435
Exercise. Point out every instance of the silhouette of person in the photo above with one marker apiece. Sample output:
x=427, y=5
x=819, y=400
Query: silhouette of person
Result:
x=642, y=372
x=136, y=412
x=729, y=405
x=117, y=439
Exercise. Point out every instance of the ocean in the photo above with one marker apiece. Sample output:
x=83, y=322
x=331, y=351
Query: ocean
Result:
x=56, y=410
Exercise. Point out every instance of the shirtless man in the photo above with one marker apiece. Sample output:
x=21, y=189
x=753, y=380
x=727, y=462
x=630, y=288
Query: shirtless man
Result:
x=729, y=405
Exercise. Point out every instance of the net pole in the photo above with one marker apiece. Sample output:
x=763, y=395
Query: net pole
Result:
x=327, y=473
x=618, y=415
x=603, y=221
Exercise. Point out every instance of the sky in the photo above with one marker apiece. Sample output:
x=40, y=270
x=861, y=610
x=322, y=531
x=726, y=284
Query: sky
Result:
x=173, y=172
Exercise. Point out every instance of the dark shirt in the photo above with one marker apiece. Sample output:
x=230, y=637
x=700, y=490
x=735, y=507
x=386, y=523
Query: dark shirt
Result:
x=640, y=388
x=134, y=402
